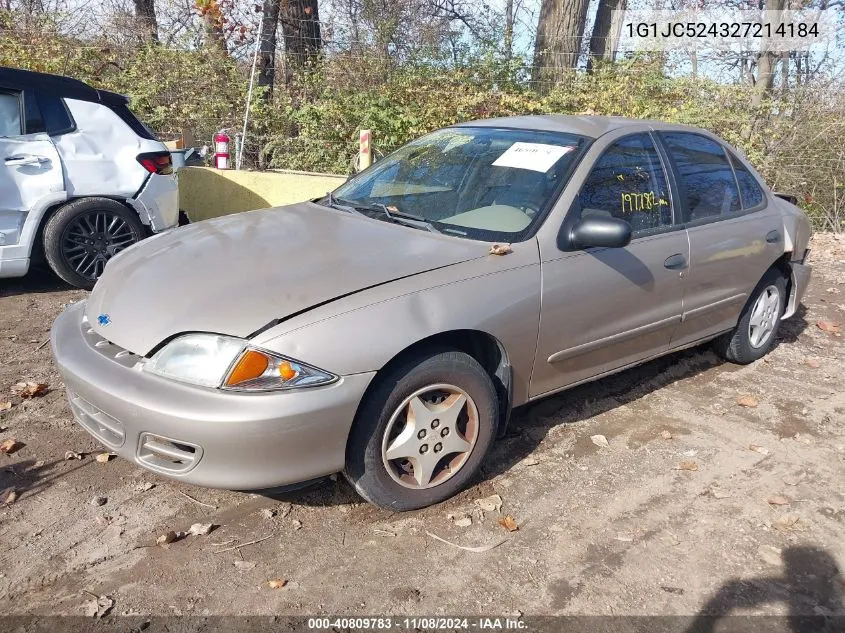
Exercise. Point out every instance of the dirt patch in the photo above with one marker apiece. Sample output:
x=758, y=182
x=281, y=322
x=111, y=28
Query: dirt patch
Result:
x=621, y=529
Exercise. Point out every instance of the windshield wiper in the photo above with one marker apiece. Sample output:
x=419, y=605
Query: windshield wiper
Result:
x=400, y=218
x=340, y=204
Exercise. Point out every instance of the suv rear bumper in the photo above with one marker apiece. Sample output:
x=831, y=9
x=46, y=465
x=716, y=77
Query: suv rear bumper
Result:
x=158, y=202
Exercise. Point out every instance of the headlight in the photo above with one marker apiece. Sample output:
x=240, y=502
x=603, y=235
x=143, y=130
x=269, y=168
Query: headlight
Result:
x=229, y=363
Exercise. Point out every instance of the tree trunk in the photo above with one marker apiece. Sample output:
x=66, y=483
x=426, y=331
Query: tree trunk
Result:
x=301, y=33
x=560, y=31
x=603, y=40
x=508, y=39
x=267, y=46
x=145, y=15
x=766, y=62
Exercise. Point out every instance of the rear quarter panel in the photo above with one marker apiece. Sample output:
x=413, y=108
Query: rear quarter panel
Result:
x=99, y=157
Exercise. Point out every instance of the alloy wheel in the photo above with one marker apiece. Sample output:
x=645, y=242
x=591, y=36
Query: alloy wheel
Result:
x=92, y=238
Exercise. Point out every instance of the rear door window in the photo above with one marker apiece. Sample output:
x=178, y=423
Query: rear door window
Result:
x=628, y=182
x=54, y=112
x=749, y=189
x=10, y=114
x=706, y=179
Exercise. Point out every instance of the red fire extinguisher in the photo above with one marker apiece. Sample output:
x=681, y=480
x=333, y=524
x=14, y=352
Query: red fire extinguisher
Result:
x=221, y=150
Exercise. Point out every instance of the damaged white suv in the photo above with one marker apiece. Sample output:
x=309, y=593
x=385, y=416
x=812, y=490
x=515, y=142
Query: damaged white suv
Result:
x=81, y=177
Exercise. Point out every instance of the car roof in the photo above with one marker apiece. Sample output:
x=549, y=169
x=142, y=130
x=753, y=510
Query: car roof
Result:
x=58, y=85
x=585, y=125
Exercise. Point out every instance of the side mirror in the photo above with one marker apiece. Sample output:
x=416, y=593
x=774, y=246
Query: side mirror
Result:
x=605, y=231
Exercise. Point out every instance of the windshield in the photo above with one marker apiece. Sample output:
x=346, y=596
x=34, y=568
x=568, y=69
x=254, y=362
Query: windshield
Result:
x=481, y=183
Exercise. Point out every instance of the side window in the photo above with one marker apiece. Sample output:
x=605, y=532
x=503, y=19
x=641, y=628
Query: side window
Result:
x=10, y=114
x=706, y=178
x=749, y=189
x=56, y=117
x=628, y=182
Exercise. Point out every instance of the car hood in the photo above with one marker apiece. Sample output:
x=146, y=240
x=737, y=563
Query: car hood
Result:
x=235, y=274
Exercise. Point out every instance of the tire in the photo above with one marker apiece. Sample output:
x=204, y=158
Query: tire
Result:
x=748, y=342
x=81, y=236
x=383, y=425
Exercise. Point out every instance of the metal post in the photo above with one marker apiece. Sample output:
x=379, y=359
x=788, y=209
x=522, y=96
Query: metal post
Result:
x=249, y=92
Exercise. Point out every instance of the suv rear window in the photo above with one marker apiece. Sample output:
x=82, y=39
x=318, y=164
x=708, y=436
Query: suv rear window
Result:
x=131, y=120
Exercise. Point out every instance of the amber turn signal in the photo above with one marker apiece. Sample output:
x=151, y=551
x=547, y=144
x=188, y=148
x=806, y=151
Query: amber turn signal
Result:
x=251, y=365
x=286, y=371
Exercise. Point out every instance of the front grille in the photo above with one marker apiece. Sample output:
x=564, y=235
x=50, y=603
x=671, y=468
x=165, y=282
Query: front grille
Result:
x=107, y=348
x=101, y=425
x=165, y=454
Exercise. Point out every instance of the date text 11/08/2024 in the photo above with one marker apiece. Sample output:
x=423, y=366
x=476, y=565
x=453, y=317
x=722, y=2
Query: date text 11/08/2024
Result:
x=417, y=623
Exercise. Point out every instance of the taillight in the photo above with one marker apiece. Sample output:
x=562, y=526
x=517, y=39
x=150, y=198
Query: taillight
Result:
x=157, y=162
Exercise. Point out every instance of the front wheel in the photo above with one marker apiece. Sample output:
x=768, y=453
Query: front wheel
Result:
x=754, y=334
x=423, y=432
x=84, y=234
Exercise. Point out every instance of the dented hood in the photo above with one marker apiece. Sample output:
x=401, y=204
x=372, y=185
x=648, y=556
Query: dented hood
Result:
x=233, y=275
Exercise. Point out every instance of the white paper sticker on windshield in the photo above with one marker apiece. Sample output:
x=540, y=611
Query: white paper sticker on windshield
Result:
x=534, y=156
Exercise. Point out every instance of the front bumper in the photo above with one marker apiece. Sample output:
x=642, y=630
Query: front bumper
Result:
x=801, y=274
x=202, y=436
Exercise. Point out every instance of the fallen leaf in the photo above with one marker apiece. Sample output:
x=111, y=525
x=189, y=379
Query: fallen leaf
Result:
x=201, y=529
x=243, y=565
x=599, y=440
x=10, y=446
x=759, y=449
x=719, y=493
x=687, y=465
x=102, y=458
x=29, y=389
x=812, y=362
x=99, y=501
x=11, y=497
x=278, y=583
x=666, y=435
x=509, y=523
x=105, y=521
x=530, y=461
x=778, y=501
x=747, y=401
x=72, y=455
x=493, y=503
x=786, y=522
x=147, y=485
x=500, y=249
x=166, y=539
x=5, y=406
x=828, y=326
x=99, y=606
x=476, y=550
x=464, y=522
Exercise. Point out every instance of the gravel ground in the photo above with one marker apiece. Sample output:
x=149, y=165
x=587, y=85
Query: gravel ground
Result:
x=696, y=504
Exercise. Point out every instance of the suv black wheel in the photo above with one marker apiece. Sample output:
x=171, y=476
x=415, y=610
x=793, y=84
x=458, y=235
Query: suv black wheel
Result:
x=422, y=433
x=81, y=236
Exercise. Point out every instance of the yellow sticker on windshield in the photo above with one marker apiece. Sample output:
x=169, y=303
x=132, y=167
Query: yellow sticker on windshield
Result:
x=534, y=156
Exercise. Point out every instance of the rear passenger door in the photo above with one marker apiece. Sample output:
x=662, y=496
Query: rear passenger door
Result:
x=734, y=236
x=30, y=175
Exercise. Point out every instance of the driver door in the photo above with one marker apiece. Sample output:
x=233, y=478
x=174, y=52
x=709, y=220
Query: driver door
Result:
x=606, y=308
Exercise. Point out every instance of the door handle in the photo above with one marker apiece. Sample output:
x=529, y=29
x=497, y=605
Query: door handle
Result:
x=25, y=159
x=675, y=262
x=773, y=237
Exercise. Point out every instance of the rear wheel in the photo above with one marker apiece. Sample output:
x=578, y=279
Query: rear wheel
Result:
x=754, y=334
x=423, y=432
x=84, y=234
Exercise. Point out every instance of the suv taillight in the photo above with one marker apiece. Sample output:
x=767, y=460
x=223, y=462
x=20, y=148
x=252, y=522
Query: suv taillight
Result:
x=157, y=162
